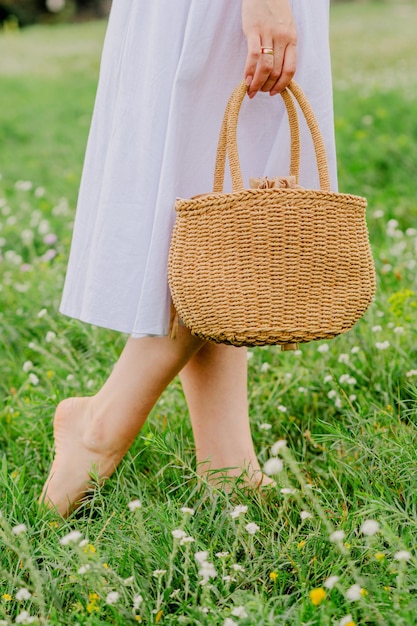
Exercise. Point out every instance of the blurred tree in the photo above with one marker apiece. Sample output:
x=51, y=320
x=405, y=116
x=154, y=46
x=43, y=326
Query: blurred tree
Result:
x=31, y=11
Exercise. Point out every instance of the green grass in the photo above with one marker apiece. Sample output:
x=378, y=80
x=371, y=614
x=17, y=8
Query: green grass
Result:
x=348, y=414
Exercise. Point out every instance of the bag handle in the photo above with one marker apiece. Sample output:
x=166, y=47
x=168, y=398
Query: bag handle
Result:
x=228, y=138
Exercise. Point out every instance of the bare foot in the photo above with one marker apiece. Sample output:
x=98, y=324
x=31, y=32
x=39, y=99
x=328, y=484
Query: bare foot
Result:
x=228, y=478
x=80, y=450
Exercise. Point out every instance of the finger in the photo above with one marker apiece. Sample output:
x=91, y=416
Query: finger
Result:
x=288, y=70
x=279, y=54
x=254, y=51
x=264, y=68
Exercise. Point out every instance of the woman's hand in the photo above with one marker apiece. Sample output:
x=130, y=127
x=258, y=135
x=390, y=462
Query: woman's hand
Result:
x=269, y=25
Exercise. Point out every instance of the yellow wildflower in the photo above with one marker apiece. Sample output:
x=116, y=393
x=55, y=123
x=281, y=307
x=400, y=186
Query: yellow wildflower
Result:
x=106, y=566
x=93, y=596
x=158, y=616
x=89, y=548
x=92, y=605
x=301, y=544
x=363, y=592
x=380, y=556
x=317, y=595
x=50, y=374
x=6, y=597
x=138, y=618
x=273, y=575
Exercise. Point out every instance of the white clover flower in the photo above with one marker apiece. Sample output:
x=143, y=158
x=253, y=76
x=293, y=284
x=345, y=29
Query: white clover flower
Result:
x=206, y=571
x=201, y=557
x=39, y=192
x=23, y=594
x=25, y=618
x=330, y=582
x=33, y=379
x=84, y=569
x=344, y=378
x=186, y=540
x=411, y=232
x=328, y=378
x=240, y=509
x=43, y=228
x=50, y=336
x=249, y=355
x=376, y=329
x=137, y=601
x=265, y=367
x=297, y=353
x=239, y=611
x=279, y=445
x=351, y=380
x=323, y=347
x=337, y=536
x=134, y=505
x=353, y=397
x=27, y=365
x=228, y=579
x=179, y=533
x=288, y=491
x=229, y=622
x=338, y=403
x=354, y=593
x=382, y=345
x=73, y=537
x=23, y=185
x=265, y=426
x=27, y=236
x=158, y=573
x=281, y=408
x=20, y=529
x=378, y=213
x=237, y=567
x=273, y=466
x=402, y=555
x=187, y=511
x=411, y=373
x=370, y=527
x=332, y=394
x=355, y=350
x=305, y=515
x=343, y=358
x=112, y=597
x=222, y=555
x=251, y=528
x=345, y=621
x=399, y=330
x=302, y=390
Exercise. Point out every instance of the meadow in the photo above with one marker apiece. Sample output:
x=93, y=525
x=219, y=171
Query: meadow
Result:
x=335, y=543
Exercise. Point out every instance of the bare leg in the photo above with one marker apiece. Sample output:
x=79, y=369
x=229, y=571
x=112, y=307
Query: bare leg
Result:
x=94, y=433
x=215, y=386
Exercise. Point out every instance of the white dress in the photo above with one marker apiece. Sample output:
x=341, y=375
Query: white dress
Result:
x=168, y=68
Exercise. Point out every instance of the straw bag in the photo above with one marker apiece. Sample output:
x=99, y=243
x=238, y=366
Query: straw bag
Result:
x=275, y=264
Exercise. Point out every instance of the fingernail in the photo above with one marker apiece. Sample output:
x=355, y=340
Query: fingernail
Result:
x=248, y=80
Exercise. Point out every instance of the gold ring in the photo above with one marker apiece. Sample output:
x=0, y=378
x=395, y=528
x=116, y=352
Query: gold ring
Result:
x=267, y=51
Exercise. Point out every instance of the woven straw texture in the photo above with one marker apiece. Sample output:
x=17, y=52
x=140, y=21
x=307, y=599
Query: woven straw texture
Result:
x=270, y=265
